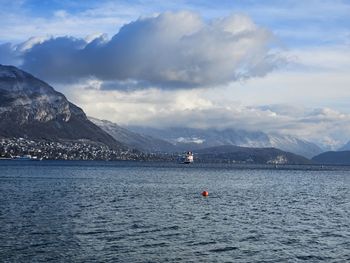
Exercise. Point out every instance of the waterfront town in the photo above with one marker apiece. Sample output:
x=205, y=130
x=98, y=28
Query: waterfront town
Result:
x=18, y=148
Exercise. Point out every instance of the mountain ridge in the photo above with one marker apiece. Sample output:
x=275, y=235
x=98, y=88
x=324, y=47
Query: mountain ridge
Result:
x=31, y=108
x=132, y=139
x=190, y=138
x=237, y=154
x=345, y=147
x=333, y=158
x=176, y=139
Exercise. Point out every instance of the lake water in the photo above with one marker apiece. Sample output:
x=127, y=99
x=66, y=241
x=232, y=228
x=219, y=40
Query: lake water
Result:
x=146, y=212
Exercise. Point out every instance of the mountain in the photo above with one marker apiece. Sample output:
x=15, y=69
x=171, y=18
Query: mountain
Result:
x=30, y=108
x=238, y=154
x=182, y=139
x=346, y=147
x=141, y=142
x=333, y=157
x=192, y=139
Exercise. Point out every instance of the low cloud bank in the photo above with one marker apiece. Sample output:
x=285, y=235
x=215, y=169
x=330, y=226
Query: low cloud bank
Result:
x=194, y=109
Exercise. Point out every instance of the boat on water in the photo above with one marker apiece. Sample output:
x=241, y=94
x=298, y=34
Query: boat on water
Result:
x=187, y=158
x=26, y=157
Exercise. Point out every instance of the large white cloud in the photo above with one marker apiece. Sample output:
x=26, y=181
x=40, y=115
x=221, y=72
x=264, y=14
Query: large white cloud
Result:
x=168, y=50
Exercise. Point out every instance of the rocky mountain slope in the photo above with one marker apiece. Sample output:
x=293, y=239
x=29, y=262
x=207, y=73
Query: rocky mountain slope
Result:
x=30, y=108
x=134, y=140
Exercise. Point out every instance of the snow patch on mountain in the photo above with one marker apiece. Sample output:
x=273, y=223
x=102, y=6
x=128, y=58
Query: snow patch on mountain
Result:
x=189, y=140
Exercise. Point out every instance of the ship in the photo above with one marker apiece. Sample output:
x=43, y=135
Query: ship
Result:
x=187, y=157
x=26, y=157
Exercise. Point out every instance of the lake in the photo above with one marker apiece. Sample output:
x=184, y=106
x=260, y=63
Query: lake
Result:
x=66, y=211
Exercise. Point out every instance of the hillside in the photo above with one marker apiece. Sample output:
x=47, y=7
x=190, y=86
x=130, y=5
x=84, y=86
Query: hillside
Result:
x=333, y=157
x=32, y=109
x=235, y=154
x=135, y=140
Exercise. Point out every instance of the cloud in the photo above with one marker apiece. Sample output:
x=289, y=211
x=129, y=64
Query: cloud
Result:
x=170, y=50
x=134, y=77
x=195, y=109
x=307, y=99
x=22, y=19
x=8, y=54
x=13, y=54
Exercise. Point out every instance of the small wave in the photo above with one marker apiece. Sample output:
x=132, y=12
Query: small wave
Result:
x=88, y=233
x=170, y=235
x=311, y=257
x=251, y=238
x=162, y=244
x=224, y=249
x=204, y=243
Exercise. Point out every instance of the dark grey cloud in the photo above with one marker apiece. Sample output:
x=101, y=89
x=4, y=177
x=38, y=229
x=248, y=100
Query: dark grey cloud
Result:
x=8, y=54
x=175, y=50
x=56, y=59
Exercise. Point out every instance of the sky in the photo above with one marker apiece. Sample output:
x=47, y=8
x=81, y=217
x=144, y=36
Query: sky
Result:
x=274, y=66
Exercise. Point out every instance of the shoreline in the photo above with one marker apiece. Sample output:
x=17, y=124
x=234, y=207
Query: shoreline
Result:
x=170, y=164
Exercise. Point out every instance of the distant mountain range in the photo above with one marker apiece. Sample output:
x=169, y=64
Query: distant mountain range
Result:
x=203, y=153
x=236, y=154
x=333, y=157
x=30, y=108
x=193, y=139
x=182, y=139
x=135, y=140
x=345, y=147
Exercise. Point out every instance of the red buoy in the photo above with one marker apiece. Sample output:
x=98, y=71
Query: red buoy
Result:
x=205, y=193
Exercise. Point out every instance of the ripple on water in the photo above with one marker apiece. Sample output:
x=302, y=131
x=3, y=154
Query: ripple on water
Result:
x=134, y=213
x=223, y=249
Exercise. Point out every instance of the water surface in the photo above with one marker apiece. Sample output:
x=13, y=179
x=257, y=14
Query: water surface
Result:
x=148, y=212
